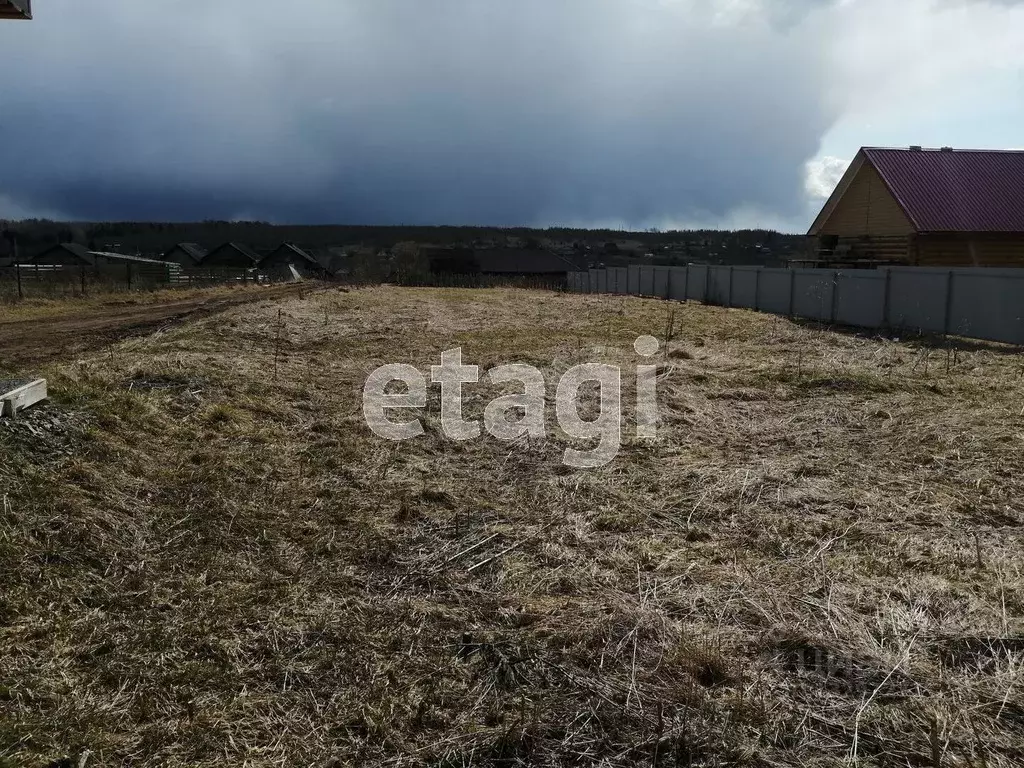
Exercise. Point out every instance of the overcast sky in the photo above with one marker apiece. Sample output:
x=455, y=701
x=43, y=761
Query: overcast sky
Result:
x=634, y=113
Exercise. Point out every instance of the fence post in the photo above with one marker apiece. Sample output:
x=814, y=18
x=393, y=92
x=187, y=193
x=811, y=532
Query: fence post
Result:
x=707, y=283
x=128, y=267
x=668, y=282
x=835, y=297
x=17, y=265
x=757, y=289
x=686, y=283
x=728, y=300
x=949, y=303
x=83, y=279
x=792, y=291
x=886, y=291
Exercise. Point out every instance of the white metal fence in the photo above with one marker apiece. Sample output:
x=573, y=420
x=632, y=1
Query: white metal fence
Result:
x=977, y=303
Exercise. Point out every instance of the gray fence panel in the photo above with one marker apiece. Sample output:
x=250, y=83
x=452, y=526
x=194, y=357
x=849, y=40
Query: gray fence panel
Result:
x=982, y=303
x=678, y=278
x=917, y=299
x=988, y=304
x=620, y=280
x=718, y=286
x=812, y=294
x=697, y=282
x=633, y=280
x=647, y=281
x=860, y=298
x=773, y=291
x=661, y=281
x=744, y=287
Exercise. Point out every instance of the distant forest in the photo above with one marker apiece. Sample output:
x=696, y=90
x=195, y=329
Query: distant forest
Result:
x=604, y=246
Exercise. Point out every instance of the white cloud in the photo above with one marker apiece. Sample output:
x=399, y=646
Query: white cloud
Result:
x=823, y=174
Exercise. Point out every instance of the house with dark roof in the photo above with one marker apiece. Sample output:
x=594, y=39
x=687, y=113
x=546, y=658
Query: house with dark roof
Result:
x=15, y=9
x=185, y=254
x=233, y=255
x=64, y=255
x=290, y=258
x=926, y=207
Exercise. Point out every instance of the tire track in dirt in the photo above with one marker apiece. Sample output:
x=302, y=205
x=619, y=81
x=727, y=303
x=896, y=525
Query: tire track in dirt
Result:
x=32, y=342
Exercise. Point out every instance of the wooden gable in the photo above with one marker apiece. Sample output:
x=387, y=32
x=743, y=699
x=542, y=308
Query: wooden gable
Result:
x=862, y=205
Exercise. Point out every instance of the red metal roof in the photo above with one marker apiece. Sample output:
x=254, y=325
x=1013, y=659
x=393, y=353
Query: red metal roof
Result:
x=964, y=190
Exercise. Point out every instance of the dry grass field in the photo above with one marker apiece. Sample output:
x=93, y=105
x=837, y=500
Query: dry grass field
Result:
x=206, y=557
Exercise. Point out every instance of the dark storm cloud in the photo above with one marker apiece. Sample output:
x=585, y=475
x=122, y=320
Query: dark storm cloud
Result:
x=455, y=111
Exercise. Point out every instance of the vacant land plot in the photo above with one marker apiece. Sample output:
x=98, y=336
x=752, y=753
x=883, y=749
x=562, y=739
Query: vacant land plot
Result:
x=208, y=559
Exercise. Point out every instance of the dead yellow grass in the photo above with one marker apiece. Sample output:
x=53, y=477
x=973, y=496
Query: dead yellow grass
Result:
x=208, y=559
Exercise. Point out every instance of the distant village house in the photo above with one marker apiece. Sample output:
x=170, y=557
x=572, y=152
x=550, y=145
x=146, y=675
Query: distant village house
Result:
x=185, y=254
x=232, y=255
x=290, y=258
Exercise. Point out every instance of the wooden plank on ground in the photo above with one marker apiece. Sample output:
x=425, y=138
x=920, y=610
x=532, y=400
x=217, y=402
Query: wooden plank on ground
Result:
x=22, y=397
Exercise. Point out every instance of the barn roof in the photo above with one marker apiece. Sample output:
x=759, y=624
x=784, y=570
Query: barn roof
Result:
x=297, y=252
x=947, y=190
x=194, y=250
x=78, y=251
x=242, y=249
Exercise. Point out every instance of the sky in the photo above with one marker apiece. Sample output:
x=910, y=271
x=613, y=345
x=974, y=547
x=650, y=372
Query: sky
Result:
x=622, y=113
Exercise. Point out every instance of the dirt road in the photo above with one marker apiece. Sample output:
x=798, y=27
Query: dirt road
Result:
x=37, y=340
